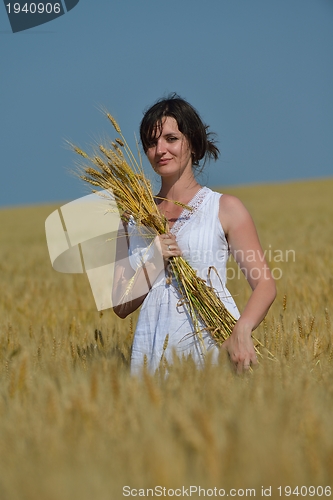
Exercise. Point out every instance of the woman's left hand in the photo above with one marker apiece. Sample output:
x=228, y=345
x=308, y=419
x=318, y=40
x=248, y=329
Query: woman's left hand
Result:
x=240, y=348
x=245, y=247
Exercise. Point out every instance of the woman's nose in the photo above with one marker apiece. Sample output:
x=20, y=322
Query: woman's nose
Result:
x=160, y=147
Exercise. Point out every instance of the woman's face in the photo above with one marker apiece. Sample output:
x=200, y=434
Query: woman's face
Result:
x=170, y=153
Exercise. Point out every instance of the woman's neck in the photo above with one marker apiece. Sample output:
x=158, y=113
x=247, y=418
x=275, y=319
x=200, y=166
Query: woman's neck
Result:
x=181, y=190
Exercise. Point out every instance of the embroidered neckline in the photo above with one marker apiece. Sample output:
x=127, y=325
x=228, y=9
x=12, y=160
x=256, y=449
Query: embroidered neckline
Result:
x=185, y=215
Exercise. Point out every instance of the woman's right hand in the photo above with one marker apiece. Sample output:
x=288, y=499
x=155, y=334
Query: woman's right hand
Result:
x=169, y=246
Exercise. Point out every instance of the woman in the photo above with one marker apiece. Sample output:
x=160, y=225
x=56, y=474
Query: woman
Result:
x=175, y=139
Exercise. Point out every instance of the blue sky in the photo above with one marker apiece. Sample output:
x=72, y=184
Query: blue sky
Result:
x=260, y=72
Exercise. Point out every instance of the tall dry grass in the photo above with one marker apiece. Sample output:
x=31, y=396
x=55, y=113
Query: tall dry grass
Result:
x=75, y=424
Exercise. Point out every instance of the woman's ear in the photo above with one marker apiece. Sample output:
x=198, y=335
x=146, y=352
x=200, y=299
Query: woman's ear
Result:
x=194, y=160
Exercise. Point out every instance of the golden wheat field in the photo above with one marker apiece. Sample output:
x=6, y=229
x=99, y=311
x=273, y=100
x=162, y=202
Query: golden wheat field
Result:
x=75, y=425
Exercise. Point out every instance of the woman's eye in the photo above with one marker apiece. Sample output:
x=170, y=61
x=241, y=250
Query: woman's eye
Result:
x=172, y=139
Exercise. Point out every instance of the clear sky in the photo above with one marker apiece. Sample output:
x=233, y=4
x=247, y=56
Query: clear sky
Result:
x=260, y=72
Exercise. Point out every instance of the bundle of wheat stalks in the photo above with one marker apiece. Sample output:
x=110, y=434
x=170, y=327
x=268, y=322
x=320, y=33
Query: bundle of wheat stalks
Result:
x=117, y=171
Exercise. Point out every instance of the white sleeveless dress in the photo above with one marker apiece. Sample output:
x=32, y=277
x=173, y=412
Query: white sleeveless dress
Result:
x=201, y=238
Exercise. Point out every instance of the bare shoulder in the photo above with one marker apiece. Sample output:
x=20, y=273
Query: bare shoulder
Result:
x=232, y=212
x=230, y=203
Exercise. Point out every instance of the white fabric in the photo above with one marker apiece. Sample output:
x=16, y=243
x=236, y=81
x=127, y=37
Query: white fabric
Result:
x=141, y=248
x=202, y=240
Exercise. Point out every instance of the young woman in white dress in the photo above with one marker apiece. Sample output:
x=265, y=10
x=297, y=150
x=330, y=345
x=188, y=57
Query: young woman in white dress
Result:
x=174, y=140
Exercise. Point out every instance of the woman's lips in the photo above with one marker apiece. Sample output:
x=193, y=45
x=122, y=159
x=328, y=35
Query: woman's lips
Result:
x=163, y=161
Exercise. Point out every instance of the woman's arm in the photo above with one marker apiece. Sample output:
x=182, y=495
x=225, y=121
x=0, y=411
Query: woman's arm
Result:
x=246, y=249
x=130, y=287
x=128, y=284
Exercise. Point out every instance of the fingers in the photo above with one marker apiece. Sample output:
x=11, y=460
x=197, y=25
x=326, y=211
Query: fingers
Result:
x=242, y=359
x=246, y=364
x=169, y=246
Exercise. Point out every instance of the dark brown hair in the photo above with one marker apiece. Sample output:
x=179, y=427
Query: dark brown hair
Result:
x=189, y=124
